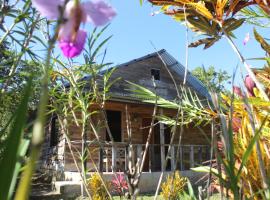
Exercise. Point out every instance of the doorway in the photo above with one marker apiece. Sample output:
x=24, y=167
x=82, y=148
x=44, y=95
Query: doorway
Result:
x=114, y=122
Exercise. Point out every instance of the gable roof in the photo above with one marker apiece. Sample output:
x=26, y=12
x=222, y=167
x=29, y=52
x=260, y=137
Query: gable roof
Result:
x=150, y=61
x=191, y=80
x=134, y=71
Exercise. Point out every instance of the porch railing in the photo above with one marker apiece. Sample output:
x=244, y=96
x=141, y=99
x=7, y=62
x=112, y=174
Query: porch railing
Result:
x=117, y=157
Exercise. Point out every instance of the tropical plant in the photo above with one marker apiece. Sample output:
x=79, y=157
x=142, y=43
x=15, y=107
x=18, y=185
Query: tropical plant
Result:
x=97, y=188
x=257, y=16
x=174, y=186
x=23, y=30
x=214, y=80
x=119, y=184
x=18, y=28
x=240, y=124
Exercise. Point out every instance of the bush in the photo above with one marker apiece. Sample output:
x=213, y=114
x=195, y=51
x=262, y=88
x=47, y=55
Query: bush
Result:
x=119, y=184
x=97, y=187
x=173, y=187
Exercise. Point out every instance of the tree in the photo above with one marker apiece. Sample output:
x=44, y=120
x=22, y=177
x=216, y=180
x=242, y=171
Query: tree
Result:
x=212, y=79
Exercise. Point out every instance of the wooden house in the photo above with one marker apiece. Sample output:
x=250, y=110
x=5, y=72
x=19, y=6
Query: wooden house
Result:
x=194, y=148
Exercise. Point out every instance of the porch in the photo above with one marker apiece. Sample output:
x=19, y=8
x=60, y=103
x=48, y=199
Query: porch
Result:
x=119, y=157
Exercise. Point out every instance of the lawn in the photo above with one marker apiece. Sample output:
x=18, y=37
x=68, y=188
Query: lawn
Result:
x=144, y=197
x=150, y=196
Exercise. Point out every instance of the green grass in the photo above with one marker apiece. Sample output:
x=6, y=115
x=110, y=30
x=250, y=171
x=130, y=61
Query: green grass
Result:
x=150, y=196
x=142, y=197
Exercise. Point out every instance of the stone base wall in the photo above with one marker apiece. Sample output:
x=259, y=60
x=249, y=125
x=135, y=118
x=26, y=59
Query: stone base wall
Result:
x=149, y=180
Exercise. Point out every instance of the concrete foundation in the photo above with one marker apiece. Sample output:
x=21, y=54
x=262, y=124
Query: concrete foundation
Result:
x=149, y=180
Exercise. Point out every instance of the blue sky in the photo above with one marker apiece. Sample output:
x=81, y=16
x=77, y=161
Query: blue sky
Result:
x=134, y=28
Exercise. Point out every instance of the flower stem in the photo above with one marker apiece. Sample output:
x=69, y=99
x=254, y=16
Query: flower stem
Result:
x=242, y=59
x=7, y=32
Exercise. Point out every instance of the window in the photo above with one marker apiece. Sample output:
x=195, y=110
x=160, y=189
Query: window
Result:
x=114, y=122
x=156, y=74
x=54, y=131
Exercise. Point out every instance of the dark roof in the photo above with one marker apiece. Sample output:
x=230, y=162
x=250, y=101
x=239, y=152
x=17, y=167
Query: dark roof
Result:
x=119, y=91
x=175, y=66
x=172, y=63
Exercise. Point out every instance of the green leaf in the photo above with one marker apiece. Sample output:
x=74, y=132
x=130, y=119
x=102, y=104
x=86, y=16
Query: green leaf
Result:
x=249, y=149
x=201, y=25
x=190, y=191
x=233, y=24
x=207, y=169
x=11, y=151
x=22, y=151
x=262, y=41
x=208, y=42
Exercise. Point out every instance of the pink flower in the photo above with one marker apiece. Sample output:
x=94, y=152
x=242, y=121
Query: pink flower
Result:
x=238, y=91
x=119, y=183
x=71, y=38
x=247, y=38
x=154, y=13
x=72, y=49
x=250, y=85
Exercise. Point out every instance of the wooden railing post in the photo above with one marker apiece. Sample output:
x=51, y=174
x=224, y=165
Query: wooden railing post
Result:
x=100, y=159
x=207, y=153
x=200, y=155
x=151, y=153
x=172, y=157
x=181, y=158
x=191, y=155
x=114, y=154
x=126, y=157
x=162, y=147
x=130, y=149
x=139, y=154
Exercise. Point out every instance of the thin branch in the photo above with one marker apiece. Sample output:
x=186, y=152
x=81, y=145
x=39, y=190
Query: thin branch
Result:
x=246, y=65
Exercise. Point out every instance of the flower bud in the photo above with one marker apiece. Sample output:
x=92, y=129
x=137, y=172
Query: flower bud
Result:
x=238, y=91
x=250, y=85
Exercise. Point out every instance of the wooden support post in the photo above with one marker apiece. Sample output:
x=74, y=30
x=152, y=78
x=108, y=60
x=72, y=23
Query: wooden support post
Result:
x=172, y=158
x=100, y=159
x=126, y=157
x=151, y=153
x=207, y=152
x=107, y=158
x=133, y=155
x=130, y=149
x=200, y=155
x=114, y=154
x=191, y=155
x=181, y=158
x=139, y=154
x=162, y=142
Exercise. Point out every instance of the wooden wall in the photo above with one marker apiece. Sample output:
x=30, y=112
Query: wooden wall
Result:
x=137, y=113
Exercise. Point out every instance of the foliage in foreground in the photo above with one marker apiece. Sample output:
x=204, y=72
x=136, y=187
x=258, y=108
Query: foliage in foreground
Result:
x=240, y=124
x=97, y=188
x=173, y=187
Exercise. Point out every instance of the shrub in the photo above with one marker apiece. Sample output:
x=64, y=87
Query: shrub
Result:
x=119, y=184
x=97, y=187
x=173, y=187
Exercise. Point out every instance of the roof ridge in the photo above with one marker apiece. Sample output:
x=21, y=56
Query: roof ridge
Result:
x=142, y=58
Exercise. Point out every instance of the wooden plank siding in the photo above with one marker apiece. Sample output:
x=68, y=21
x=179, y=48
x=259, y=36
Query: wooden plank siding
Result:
x=137, y=114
